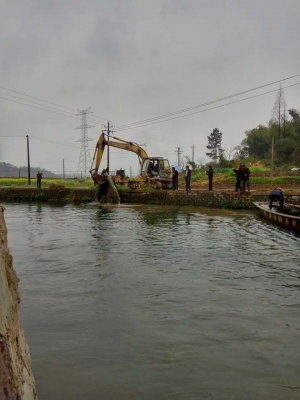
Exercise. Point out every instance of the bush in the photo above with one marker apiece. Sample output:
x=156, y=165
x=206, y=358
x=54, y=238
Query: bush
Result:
x=15, y=196
x=39, y=197
x=238, y=204
x=86, y=199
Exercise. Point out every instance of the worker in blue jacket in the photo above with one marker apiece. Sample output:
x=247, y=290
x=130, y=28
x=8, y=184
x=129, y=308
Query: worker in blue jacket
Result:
x=276, y=194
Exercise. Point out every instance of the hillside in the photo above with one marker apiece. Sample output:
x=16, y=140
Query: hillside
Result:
x=11, y=171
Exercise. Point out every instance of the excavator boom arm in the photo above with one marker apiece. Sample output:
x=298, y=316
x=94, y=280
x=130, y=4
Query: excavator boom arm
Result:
x=129, y=146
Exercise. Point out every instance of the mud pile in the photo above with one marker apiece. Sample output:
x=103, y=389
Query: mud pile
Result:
x=16, y=379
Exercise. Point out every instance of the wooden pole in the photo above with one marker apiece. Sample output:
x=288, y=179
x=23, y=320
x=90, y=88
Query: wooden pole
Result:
x=108, y=148
x=28, y=160
x=272, y=163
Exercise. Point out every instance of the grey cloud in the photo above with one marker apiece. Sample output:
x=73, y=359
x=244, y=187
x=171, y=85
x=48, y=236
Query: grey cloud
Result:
x=131, y=60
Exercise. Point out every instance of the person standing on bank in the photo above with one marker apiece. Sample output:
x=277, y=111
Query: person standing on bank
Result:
x=245, y=177
x=276, y=194
x=175, y=178
x=39, y=176
x=188, y=175
x=238, y=178
x=210, y=174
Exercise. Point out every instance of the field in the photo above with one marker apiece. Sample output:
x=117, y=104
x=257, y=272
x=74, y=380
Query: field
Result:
x=68, y=183
x=260, y=179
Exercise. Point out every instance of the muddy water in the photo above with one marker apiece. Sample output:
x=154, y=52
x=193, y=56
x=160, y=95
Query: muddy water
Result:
x=157, y=303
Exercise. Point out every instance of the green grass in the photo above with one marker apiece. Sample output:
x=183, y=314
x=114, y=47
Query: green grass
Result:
x=259, y=176
x=68, y=183
x=280, y=180
x=263, y=176
x=146, y=189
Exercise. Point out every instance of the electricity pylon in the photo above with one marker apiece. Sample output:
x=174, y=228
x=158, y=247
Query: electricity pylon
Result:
x=84, y=163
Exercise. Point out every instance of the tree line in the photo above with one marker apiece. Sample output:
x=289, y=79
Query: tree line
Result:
x=275, y=144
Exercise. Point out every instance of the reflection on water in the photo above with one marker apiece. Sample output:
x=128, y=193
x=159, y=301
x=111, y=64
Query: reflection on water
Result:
x=146, y=302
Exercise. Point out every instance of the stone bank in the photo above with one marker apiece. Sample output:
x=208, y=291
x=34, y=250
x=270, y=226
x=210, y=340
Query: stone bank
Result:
x=196, y=198
x=214, y=199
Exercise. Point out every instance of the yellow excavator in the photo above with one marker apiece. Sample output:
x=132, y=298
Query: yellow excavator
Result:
x=155, y=171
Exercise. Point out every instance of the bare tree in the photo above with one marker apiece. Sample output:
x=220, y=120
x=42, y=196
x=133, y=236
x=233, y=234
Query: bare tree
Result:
x=241, y=150
x=279, y=111
x=202, y=162
x=228, y=151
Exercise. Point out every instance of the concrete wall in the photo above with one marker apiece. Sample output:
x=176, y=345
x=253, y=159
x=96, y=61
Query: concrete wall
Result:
x=31, y=193
x=214, y=199
x=202, y=199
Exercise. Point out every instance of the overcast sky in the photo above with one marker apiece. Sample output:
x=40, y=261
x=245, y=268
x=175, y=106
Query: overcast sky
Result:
x=132, y=60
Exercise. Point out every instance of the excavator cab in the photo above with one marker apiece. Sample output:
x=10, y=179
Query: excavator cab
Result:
x=156, y=167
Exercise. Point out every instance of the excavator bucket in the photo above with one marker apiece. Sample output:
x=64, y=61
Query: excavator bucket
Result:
x=106, y=189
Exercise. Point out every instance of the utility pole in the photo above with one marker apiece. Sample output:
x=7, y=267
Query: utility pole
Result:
x=63, y=168
x=193, y=149
x=272, y=152
x=130, y=174
x=28, y=160
x=108, y=131
x=272, y=160
x=178, y=151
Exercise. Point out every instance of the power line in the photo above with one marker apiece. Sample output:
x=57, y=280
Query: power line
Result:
x=14, y=136
x=127, y=127
x=206, y=104
x=208, y=109
x=40, y=108
x=56, y=142
x=44, y=101
x=44, y=109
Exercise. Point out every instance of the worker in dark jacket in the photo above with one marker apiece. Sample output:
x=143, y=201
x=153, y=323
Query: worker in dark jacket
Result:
x=245, y=177
x=174, y=178
x=187, y=177
x=276, y=194
x=39, y=177
x=210, y=174
x=238, y=178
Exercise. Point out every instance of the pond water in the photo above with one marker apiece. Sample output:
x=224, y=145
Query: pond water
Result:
x=148, y=302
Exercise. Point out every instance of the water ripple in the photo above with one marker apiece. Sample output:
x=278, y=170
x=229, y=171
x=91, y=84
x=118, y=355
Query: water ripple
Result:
x=139, y=302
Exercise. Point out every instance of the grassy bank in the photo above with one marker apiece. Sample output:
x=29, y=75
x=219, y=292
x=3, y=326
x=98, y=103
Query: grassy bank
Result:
x=260, y=177
x=68, y=183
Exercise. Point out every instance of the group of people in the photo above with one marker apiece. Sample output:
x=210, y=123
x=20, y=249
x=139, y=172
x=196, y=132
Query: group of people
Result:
x=242, y=177
x=187, y=178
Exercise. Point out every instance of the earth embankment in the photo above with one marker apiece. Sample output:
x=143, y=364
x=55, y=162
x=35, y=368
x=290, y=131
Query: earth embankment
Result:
x=16, y=379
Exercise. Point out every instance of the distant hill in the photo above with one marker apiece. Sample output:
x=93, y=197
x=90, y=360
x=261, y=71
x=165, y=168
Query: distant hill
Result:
x=11, y=171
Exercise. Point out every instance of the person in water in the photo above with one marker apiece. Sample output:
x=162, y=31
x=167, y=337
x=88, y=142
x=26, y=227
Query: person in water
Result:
x=276, y=194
